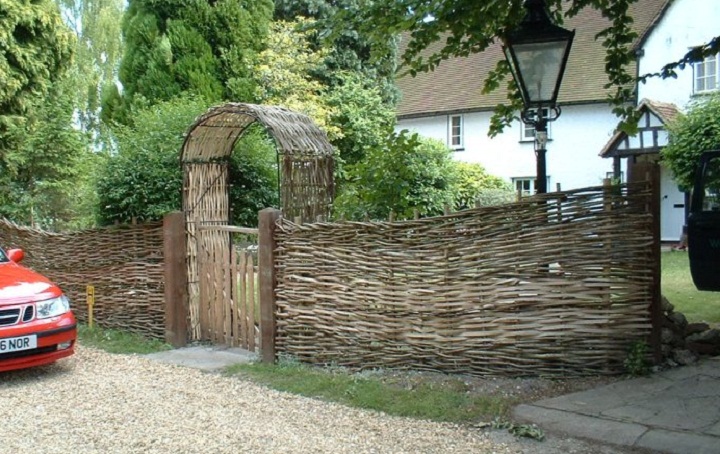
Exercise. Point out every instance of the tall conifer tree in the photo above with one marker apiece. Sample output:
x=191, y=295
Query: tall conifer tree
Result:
x=188, y=46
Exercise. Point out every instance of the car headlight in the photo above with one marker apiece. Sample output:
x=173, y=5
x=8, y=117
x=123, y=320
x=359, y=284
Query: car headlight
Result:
x=53, y=307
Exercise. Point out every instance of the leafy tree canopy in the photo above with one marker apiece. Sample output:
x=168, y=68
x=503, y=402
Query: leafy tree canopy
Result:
x=44, y=181
x=470, y=26
x=283, y=72
x=408, y=173
x=359, y=108
x=350, y=49
x=350, y=108
x=35, y=49
x=143, y=180
x=474, y=185
x=96, y=24
x=195, y=46
x=691, y=134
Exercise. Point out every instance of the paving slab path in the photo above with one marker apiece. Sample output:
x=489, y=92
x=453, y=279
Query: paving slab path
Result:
x=675, y=411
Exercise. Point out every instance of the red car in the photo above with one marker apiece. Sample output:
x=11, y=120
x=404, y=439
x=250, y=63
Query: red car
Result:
x=36, y=324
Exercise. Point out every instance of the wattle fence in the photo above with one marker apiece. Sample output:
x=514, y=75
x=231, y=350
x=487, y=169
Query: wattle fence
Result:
x=560, y=284
x=124, y=264
x=554, y=285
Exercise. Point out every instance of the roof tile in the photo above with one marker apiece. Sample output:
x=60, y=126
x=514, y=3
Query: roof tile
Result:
x=456, y=84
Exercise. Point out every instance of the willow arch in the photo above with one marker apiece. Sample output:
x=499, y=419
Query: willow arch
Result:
x=305, y=159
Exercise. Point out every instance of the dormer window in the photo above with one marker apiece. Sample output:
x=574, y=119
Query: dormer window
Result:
x=706, y=74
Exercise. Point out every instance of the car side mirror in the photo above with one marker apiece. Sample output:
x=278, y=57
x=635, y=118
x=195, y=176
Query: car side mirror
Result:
x=16, y=255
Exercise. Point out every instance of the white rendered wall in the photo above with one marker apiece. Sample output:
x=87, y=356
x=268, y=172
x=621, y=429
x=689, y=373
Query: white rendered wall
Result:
x=686, y=24
x=576, y=138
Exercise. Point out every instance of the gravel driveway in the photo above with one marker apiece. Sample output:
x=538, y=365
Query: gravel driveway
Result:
x=96, y=402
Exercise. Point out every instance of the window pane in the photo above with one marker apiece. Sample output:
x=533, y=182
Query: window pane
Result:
x=706, y=74
x=529, y=132
x=455, y=131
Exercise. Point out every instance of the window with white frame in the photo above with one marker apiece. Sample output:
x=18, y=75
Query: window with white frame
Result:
x=527, y=132
x=455, y=131
x=706, y=74
x=524, y=185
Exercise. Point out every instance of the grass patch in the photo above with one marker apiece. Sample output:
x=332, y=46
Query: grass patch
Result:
x=116, y=341
x=448, y=402
x=679, y=289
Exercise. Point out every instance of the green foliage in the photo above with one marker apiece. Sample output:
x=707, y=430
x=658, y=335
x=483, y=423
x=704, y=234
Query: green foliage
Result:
x=519, y=430
x=143, y=180
x=351, y=110
x=349, y=47
x=283, y=72
x=253, y=177
x=691, y=134
x=45, y=177
x=195, y=46
x=359, y=108
x=407, y=173
x=425, y=401
x=404, y=173
x=96, y=24
x=636, y=363
x=117, y=341
x=36, y=50
x=474, y=184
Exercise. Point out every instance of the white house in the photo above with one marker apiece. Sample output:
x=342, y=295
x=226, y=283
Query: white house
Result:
x=448, y=104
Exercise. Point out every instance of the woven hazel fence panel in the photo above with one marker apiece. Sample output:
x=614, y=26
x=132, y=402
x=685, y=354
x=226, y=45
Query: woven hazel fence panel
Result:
x=552, y=285
x=123, y=263
x=305, y=157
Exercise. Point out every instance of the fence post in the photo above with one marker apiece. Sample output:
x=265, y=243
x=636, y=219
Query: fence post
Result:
x=267, y=281
x=656, y=314
x=650, y=172
x=176, y=282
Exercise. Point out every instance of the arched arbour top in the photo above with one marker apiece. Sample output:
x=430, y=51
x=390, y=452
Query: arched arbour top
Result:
x=305, y=157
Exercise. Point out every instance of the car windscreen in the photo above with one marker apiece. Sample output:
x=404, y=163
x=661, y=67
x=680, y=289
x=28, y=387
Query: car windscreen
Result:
x=3, y=256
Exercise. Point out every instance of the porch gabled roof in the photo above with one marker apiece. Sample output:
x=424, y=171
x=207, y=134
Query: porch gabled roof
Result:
x=652, y=135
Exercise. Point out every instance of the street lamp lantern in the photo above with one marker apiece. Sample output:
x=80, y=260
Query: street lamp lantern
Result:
x=537, y=52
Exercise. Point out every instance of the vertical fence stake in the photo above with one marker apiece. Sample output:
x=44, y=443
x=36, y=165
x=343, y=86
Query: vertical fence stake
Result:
x=267, y=281
x=648, y=172
x=176, y=282
x=90, y=293
x=656, y=304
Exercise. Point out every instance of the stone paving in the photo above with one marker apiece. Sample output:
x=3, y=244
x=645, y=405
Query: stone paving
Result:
x=674, y=411
x=204, y=357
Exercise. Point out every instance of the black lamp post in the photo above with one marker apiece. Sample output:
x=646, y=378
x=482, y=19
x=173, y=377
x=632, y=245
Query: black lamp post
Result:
x=537, y=52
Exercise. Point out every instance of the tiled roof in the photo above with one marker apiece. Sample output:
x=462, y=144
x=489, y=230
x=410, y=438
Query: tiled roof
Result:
x=456, y=84
x=665, y=111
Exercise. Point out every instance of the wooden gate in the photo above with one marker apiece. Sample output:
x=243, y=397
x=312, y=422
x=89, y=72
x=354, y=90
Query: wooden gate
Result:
x=227, y=272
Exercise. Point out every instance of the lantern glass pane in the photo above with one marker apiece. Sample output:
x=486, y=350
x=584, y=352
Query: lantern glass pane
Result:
x=539, y=65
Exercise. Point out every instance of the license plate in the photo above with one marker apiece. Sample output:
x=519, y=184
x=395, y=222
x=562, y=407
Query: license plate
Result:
x=17, y=344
